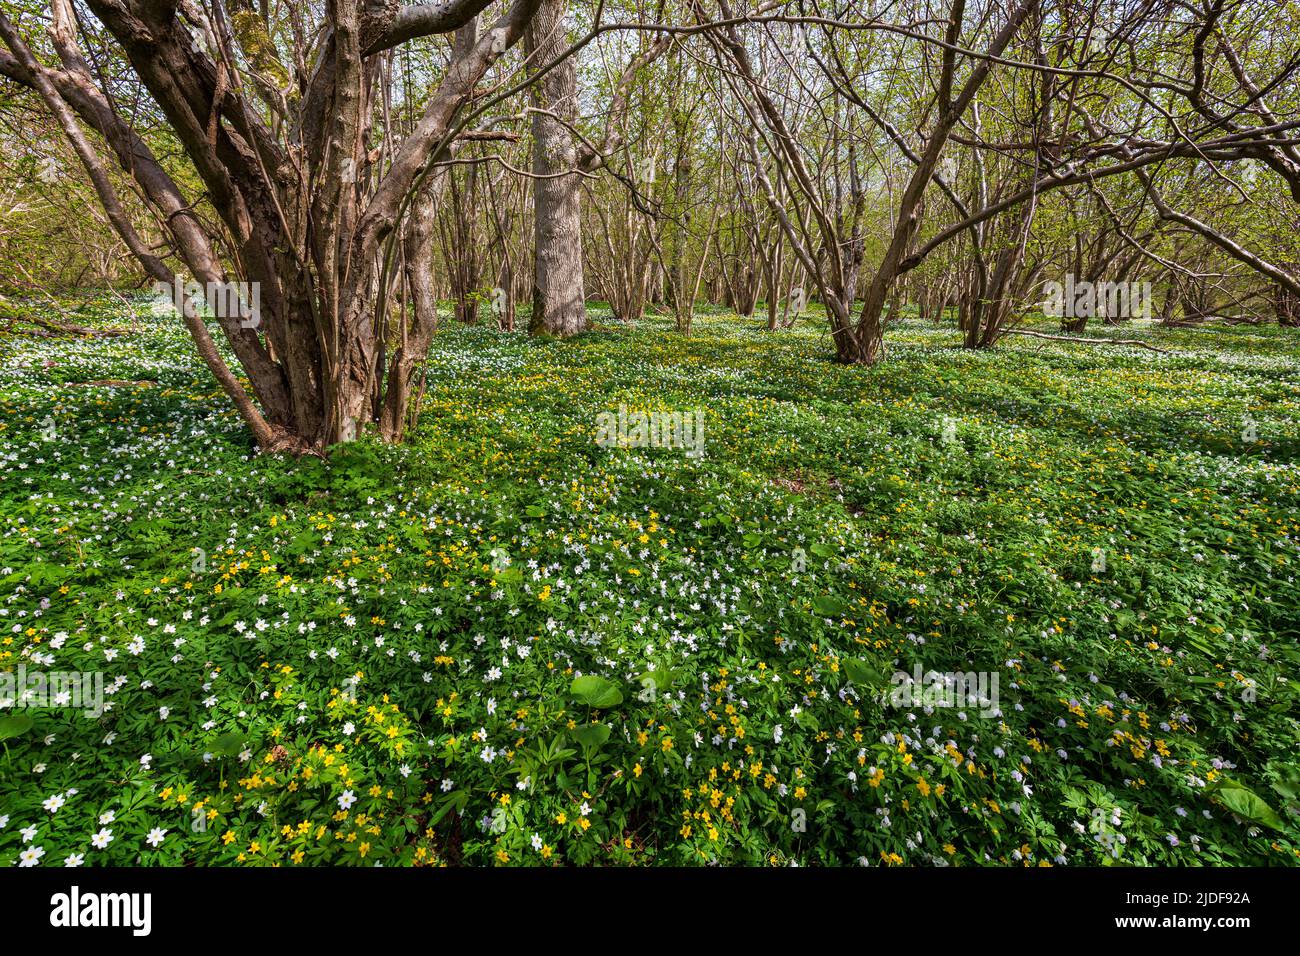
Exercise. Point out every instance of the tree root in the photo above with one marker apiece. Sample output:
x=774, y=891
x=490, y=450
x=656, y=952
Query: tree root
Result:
x=285, y=442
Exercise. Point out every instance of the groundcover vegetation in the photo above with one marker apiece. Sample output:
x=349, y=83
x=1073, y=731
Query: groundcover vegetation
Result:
x=505, y=643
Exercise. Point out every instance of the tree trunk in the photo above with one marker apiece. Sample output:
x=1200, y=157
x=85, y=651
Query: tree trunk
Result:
x=1286, y=304
x=307, y=215
x=559, y=299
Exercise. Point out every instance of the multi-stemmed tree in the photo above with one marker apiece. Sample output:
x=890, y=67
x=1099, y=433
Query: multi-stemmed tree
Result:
x=278, y=114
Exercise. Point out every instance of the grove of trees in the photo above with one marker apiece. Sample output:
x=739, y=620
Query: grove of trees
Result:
x=362, y=161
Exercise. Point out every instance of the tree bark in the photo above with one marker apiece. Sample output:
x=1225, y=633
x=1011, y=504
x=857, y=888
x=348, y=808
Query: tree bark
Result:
x=306, y=215
x=559, y=297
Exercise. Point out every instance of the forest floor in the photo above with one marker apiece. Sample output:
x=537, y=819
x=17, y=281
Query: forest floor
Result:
x=508, y=643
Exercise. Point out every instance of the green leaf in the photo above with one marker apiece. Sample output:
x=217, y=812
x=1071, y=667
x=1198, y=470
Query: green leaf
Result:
x=861, y=673
x=456, y=800
x=302, y=542
x=227, y=745
x=595, y=692
x=591, y=736
x=1247, y=805
x=828, y=606
x=15, y=725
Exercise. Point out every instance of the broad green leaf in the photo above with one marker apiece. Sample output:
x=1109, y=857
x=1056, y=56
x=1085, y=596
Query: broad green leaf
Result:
x=227, y=745
x=1247, y=805
x=861, y=673
x=595, y=692
x=591, y=736
x=828, y=606
x=15, y=725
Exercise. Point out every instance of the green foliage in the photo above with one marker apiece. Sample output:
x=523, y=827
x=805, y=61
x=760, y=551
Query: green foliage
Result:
x=504, y=644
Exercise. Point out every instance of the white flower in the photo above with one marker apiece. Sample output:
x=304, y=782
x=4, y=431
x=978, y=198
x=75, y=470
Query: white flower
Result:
x=163, y=712
x=537, y=842
x=74, y=859
x=349, y=729
x=54, y=802
x=107, y=817
x=155, y=837
x=28, y=834
x=347, y=800
x=102, y=839
x=31, y=856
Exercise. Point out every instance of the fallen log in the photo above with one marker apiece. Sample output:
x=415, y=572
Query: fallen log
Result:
x=99, y=382
x=1082, y=341
x=53, y=328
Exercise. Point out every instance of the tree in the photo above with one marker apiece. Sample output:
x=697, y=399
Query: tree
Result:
x=277, y=115
x=559, y=294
